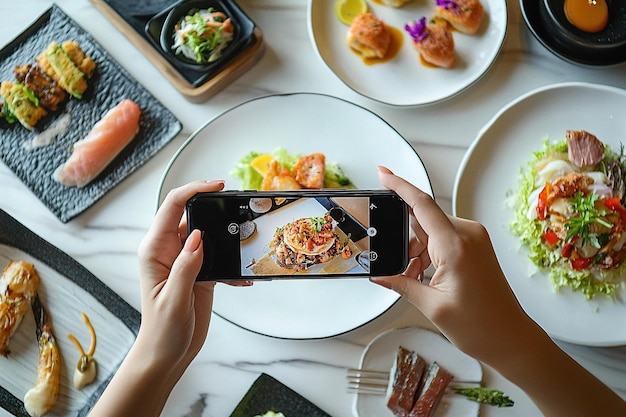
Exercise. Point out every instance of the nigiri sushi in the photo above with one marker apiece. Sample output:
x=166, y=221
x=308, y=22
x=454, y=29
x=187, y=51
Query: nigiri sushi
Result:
x=102, y=144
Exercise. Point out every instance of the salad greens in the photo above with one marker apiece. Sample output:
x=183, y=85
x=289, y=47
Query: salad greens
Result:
x=334, y=176
x=530, y=232
x=203, y=35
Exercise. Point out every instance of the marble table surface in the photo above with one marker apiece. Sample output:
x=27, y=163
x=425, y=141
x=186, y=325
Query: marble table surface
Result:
x=105, y=238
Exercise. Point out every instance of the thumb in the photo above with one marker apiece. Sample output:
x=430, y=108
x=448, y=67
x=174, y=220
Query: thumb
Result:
x=188, y=263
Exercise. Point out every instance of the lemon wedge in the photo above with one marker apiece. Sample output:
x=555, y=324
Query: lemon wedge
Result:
x=261, y=163
x=347, y=10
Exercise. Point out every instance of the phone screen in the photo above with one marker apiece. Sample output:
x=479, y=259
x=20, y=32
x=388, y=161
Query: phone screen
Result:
x=257, y=235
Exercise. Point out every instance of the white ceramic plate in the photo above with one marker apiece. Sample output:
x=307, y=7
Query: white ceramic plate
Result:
x=490, y=170
x=347, y=134
x=404, y=81
x=380, y=354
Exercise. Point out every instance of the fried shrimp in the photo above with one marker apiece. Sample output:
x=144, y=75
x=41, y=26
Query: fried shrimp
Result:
x=18, y=284
x=40, y=399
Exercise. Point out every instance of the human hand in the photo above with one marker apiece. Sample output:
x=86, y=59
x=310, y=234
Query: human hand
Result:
x=468, y=297
x=176, y=309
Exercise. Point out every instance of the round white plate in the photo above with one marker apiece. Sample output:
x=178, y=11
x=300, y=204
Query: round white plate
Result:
x=404, y=80
x=380, y=353
x=491, y=169
x=356, y=139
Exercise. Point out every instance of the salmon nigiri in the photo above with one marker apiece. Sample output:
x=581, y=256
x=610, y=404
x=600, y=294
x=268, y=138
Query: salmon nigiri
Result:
x=102, y=144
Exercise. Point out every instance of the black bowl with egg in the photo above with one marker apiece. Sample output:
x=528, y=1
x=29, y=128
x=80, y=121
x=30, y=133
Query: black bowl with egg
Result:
x=161, y=28
x=550, y=24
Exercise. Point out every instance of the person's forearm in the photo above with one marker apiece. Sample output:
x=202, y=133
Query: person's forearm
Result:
x=557, y=384
x=140, y=387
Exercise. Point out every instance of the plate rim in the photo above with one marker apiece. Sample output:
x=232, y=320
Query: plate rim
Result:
x=473, y=81
x=488, y=125
x=161, y=193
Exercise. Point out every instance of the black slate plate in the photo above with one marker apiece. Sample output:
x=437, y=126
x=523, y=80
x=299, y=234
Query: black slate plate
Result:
x=64, y=279
x=110, y=84
x=578, y=49
x=268, y=394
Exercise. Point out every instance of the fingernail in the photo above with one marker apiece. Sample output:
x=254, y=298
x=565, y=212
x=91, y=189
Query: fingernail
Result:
x=216, y=182
x=193, y=241
x=383, y=170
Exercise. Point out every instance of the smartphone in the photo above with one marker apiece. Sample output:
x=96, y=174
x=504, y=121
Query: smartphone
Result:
x=254, y=235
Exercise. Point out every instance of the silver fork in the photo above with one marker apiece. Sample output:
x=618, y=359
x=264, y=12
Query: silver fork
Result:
x=371, y=382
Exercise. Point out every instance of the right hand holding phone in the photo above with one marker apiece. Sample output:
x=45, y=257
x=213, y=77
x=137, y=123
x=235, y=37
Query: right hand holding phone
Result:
x=468, y=297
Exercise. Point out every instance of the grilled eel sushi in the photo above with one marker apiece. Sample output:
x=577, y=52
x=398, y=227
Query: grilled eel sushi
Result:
x=18, y=285
x=68, y=65
x=49, y=93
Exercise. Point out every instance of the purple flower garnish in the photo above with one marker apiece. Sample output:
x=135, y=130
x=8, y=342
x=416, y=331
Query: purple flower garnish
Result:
x=417, y=30
x=449, y=5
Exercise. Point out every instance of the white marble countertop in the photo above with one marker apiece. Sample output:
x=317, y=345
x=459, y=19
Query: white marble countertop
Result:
x=108, y=233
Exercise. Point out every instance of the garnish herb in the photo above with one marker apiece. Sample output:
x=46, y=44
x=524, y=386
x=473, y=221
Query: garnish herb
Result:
x=486, y=395
x=586, y=215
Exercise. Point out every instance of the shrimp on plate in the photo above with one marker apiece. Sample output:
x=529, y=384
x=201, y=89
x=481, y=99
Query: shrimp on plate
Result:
x=18, y=284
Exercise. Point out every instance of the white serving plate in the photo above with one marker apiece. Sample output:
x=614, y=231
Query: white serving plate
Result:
x=356, y=139
x=380, y=354
x=490, y=171
x=404, y=81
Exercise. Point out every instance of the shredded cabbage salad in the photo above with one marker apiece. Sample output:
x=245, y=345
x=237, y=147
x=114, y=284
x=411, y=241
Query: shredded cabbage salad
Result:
x=251, y=179
x=591, y=282
x=203, y=35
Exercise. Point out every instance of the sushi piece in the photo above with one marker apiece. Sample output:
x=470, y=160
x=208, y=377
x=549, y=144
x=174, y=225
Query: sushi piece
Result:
x=369, y=36
x=464, y=15
x=60, y=65
x=432, y=389
x=102, y=144
x=49, y=93
x=20, y=104
x=18, y=285
x=433, y=41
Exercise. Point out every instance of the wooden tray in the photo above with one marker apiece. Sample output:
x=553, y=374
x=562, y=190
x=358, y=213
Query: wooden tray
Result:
x=197, y=94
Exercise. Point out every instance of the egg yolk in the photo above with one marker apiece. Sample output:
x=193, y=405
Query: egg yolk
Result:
x=587, y=15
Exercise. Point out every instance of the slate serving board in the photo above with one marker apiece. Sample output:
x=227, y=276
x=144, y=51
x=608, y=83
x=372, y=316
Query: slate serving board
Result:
x=269, y=394
x=65, y=279
x=109, y=85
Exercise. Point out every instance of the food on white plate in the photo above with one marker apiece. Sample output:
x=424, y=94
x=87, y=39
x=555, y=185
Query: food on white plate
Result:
x=282, y=170
x=49, y=93
x=415, y=388
x=20, y=104
x=305, y=242
x=68, y=65
x=369, y=36
x=202, y=35
x=433, y=41
x=42, y=397
x=464, y=15
x=346, y=10
x=271, y=413
x=18, y=285
x=86, y=367
x=108, y=137
x=570, y=214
